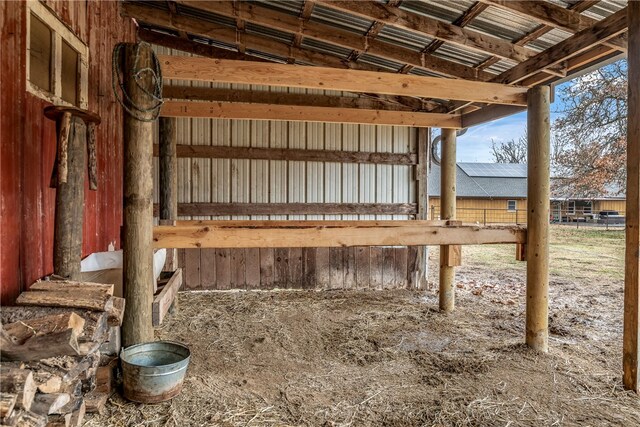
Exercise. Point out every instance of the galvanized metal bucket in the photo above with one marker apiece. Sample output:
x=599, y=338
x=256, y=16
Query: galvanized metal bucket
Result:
x=153, y=372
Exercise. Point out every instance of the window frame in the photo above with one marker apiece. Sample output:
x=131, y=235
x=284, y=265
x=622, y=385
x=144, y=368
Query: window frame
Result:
x=515, y=205
x=59, y=33
x=571, y=207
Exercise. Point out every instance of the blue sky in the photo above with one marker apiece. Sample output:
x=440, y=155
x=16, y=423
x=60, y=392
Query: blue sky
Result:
x=475, y=145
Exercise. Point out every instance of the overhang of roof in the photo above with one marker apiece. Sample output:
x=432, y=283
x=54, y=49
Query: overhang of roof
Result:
x=508, y=42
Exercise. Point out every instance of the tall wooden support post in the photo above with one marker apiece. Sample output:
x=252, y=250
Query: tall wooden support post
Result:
x=631, y=338
x=447, y=212
x=138, y=203
x=67, y=236
x=538, y=188
x=422, y=175
x=168, y=165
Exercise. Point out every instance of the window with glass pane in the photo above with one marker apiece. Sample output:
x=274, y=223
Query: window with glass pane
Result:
x=40, y=48
x=69, y=74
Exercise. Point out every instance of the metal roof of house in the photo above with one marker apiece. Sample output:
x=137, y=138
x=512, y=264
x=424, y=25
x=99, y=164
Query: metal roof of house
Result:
x=484, y=180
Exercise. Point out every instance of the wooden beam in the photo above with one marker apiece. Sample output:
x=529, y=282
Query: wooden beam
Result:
x=489, y=113
x=168, y=166
x=226, y=209
x=194, y=93
x=138, y=202
x=252, y=12
x=538, y=190
x=448, y=171
x=631, y=336
x=256, y=153
x=435, y=28
x=422, y=185
x=270, y=46
x=462, y=21
x=284, y=75
x=306, y=114
x=580, y=42
x=359, y=233
x=162, y=302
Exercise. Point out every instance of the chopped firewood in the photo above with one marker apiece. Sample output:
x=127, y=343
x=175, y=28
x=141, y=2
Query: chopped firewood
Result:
x=115, y=309
x=28, y=328
x=19, y=382
x=95, y=402
x=22, y=418
x=59, y=420
x=49, y=403
x=43, y=346
x=106, y=377
x=77, y=416
x=47, y=382
x=88, y=299
x=95, y=326
x=111, y=347
x=7, y=403
x=88, y=347
x=65, y=285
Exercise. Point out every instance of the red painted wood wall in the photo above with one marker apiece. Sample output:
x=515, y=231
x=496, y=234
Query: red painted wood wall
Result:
x=27, y=144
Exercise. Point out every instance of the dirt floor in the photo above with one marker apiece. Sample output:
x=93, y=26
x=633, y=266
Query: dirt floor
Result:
x=389, y=358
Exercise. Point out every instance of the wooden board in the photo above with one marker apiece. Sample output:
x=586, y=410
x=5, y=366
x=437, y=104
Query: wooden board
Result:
x=284, y=75
x=410, y=233
x=92, y=300
x=226, y=209
x=220, y=110
x=164, y=299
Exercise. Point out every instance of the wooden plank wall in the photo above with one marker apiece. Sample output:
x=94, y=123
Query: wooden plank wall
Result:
x=299, y=268
x=28, y=144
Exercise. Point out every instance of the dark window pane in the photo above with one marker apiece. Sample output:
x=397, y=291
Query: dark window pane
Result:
x=40, y=54
x=69, y=74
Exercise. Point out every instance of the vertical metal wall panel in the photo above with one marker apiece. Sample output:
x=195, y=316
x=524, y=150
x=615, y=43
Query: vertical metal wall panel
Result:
x=315, y=170
x=367, y=175
x=278, y=168
x=259, y=187
x=333, y=171
x=384, y=173
x=350, y=181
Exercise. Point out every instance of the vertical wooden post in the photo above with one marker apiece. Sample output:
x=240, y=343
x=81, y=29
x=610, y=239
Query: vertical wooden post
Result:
x=447, y=212
x=138, y=204
x=422, y=175
x=538, y=188
x=168, y=165
x=631, y=337
x=67, y=235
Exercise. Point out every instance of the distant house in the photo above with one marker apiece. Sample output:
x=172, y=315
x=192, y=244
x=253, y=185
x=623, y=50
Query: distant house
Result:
x=486, y=192
x=490, y=193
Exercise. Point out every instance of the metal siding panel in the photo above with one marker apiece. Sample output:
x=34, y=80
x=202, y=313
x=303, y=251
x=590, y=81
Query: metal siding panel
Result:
x=296, y=170
x=350, y=142
x=332, y=171
x=384, y=173
x=278, y=168
x=315, y=170
x=367, y=173
x=259, y=175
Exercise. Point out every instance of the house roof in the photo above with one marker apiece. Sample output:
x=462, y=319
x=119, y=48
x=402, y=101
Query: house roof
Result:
x=503, y=42
x=484, y=180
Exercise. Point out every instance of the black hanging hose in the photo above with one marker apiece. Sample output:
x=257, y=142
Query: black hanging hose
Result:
x=154, y=93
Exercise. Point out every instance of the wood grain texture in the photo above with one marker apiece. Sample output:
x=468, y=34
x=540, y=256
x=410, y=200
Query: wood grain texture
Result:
x=631, y=335
x=226, y=209
x=221, y=110
x=227, y=71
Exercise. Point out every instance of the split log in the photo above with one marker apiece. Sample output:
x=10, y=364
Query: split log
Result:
x=19, y=382
x=64, y=343
x=92, y=300
x=88, y=347
x=95, y=327
x=7, y=403
x=26, y=329
x=63, y=148
x=77, y=416
x=47, y=382
x=59, y=420
x=66, y=285
x=111, y=347
x=46, y=404
x=115, y=310
x=24, y=418
x=93, y=156
x=106, y=377
x=95, y=402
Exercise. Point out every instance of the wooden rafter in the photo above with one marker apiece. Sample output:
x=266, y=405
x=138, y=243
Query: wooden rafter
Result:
x=224, y=110
x=552, y=15
x=284, y=75
x=440, y=30
x=584, y=40
x=539, y=31
x=252, y=12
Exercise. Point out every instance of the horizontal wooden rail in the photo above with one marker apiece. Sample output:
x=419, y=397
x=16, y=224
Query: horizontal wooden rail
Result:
x=296, y=223
x=246, y=111
x=359, y=233
x=224, y=209
x=218, y=152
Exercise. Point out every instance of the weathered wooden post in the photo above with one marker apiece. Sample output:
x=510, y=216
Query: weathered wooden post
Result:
x=138, y=197
x=538, y=188
x=631, y=338
x=447, y=212
x=422, y=175
x=168, y=165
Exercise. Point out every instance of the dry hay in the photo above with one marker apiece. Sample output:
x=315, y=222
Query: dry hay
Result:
x=354, y=358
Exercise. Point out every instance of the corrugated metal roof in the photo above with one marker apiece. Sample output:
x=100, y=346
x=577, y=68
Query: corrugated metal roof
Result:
x=479, y=186
x=494, y=170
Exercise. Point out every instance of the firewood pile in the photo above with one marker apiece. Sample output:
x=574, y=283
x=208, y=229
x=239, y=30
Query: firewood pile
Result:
x=59, y=350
